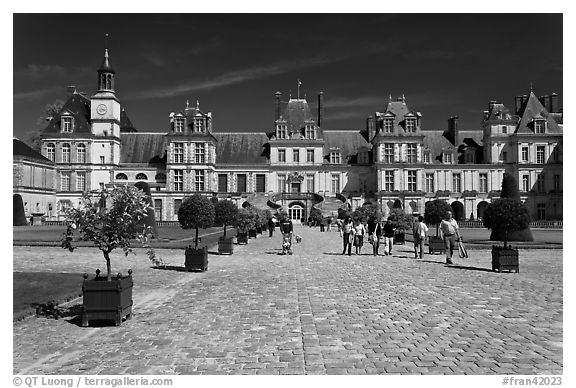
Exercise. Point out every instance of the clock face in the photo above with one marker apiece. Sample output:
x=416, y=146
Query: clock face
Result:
x=101, y=109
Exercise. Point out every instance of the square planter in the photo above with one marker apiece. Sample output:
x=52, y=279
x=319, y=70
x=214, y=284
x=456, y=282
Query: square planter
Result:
x=196, y=259
x=399, y=238
x=242, y=238
x=252, y=233
x=259, y=229
x=436, y=245
x=504, y=259
x=226, y=245
x=102, y=300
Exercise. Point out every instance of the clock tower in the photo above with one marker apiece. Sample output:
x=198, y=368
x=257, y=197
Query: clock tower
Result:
x=105, y=106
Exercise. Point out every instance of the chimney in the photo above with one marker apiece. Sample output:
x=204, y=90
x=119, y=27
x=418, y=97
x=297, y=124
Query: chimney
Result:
x=71, y=89
x=518, y=104
x=486, y=114
x=320, y=108
x=491, y=105
x=370, y=128
x=277, y=113
x=545, y=101
x=524, y=99
x=554, y=108
x=453, y=129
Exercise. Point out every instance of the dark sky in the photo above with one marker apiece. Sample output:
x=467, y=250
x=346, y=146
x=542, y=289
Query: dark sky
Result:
x=444, y=64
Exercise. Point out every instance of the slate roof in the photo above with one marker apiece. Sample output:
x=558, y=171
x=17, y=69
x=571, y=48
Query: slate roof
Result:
x=499, y=112
x=106, y=67
x=347, y=140
x=143, y=148
x=79, y=106
x=241, y=148
x=534, y=108
x=297, y=112
x=125, y=123
x=22, y=150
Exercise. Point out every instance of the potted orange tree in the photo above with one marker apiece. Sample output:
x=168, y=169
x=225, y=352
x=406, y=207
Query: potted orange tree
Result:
x=434, y=212
x=109, y=228
x=196, y=212
x=226, y=214
x=402, y=222
x=244, y=223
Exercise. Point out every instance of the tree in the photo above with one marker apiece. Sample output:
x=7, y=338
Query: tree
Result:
x=109, y=227
x=196, y=212
x=400, y=220
x=435, y=211
x=505, y=216
x=316, y=215
x=150, y=219
x=245, y=221
x=509, y=187
x=366, y=212
x=343, y=212
x=34, y=136
x=226, y=213
x=19, y=214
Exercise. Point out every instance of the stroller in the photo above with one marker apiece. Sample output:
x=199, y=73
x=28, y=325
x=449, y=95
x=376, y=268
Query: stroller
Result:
x=287, y=244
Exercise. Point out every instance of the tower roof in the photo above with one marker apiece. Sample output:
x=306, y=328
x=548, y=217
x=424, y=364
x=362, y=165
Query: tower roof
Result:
x=125, y=123
x=106, y=67
x=533, y=108
x=297, y=114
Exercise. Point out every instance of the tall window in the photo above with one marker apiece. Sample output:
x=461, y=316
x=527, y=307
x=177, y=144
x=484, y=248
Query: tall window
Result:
x=524, y=154
x=199, y=180
x=447, y=158
x=66, y=124
x=281, y=183
x=260, y=183
x=335, y=157
x=199, y=124
x=410, y=124
x=470, y=155
x=199, y=153
x=310, y=133
x=81, y=153
x=281, y=131
x=388, y=125
x=50, y=151
x=223, y=183
x=540, y=154
x=282, y=156
x=65, y=153
x=102, y=159
x=177, y=204
x=179, y=124
x=296, y=155
x=158, y=209
x=335, y=183
x=539, y=126
x=389, y=180
x=483, y=183
x=310, y=156
x=541, y=211
x=411, y=153
x=178, y=152
x=310, y=183
x=557, y=187
x=556, y=153
x=178, y=180
x=457, y=183
x=241, y=184
x=525, y=182
x=426, y=156
x=81, y=181
x=504, y=129
x=412, y=181
x=430, y=183
x=541, y=183
x=388, y=156
x=65, y=181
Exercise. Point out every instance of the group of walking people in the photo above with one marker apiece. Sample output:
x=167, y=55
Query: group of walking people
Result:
x=381, y=232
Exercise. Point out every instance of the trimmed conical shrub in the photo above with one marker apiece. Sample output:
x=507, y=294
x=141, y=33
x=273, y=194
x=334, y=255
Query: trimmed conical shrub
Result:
x=19, y=215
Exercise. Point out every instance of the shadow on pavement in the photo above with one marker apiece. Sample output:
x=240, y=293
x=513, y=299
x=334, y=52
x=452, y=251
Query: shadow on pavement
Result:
x=470, y=268
x=173, y=268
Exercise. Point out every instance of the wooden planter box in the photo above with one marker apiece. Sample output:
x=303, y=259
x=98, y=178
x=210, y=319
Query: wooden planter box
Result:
x=259, y=229
x=242, y=238
x=252, y=233
x=504, y=259
x=226, y=245
x=436, y=245
x=399, y=238
x=102, y=300
x=196, y=259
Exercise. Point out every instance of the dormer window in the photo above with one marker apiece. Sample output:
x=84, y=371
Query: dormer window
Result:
x=363, y=157
x=199, y=124
x=335, y=157
x=281, y=131
x=470, y=155
x=447, y=158
x=67, y=124
x=310, y=132
x=388, y=125
x=410, y=124
x=504, y=130
x=426, y=156
x=539, y=126
x=179, y=123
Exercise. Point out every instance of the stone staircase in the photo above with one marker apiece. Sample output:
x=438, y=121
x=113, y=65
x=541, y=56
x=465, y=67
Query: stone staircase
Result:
x=330, y=206
x=262, y=201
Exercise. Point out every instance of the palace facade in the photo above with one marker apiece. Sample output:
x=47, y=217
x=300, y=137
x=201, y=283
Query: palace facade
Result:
x=91, y=144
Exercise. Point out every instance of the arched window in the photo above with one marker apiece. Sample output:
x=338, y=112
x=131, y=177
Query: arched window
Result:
x=141, y=176
x=121, y=177
x=81, y=153
x=50, y=151
x=65, y=153
x=160, y=177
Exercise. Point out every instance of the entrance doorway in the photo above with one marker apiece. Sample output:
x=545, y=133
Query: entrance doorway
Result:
x=296, y=213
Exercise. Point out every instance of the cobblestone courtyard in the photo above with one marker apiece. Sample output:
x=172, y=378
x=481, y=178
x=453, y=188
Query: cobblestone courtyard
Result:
x=316, y=312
